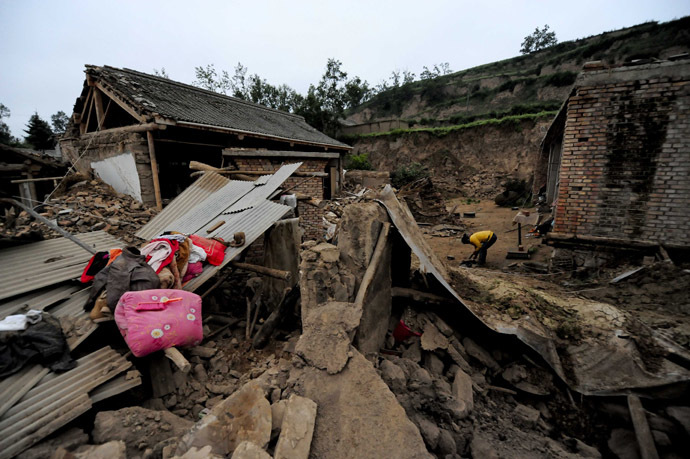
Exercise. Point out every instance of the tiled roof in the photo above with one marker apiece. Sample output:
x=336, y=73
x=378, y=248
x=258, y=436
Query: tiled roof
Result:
x=152, y=95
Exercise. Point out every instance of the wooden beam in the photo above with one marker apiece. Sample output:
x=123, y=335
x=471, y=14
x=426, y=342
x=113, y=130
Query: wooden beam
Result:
x=178, y=359
x=373, y=264
x=134, y=128
x=270, y=272
x=40, y=179
x=334, y=182
x=98, y=102
x=88, y=116
x=642, y=431
x=154, y=170
x=121, y=103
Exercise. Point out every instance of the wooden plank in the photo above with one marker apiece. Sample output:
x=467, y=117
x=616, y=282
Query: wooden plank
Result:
x=154, y=170
x=642, y=431
x=270, y=272
x=334, y=182
x=178, y=359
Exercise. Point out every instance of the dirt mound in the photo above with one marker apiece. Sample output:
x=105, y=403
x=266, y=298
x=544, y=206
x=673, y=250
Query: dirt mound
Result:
x=426, y=202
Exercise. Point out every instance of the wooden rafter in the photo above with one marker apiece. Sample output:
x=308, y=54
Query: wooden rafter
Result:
x=85, y=126
x=120, y=102
x=98, y=102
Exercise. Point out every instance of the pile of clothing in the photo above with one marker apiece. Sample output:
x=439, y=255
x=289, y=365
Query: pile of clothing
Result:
x=142, y=288
x=34, y=337
x=166, y=262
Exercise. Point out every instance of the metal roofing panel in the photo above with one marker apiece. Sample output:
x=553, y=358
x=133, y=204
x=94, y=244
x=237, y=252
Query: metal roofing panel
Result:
x=195, y=218
x=253, y=222
x=39, y=299
x=14, y=387
x=195, y=193
x=267, y=185
x=31, y=266
x=56, y=400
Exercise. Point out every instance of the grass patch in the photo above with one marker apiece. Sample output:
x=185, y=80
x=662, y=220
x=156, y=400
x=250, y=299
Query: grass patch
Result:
x=442, y=131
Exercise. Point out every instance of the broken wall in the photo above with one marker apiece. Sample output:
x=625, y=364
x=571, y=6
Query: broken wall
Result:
x=97, y=147
x=626, y=156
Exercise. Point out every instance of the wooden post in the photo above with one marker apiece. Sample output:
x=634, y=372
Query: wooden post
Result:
x=154, y=171
x=334, y=182
x=178, y=359
x=98, y=100
x=270, y=272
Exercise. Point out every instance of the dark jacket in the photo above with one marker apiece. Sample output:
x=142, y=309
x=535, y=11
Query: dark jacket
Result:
x=128, y=273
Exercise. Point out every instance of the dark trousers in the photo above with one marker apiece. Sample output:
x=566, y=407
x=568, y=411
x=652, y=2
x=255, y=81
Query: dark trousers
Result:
x=484, y=248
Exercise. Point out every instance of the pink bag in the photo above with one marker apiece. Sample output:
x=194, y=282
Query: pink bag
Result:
x=152, y=320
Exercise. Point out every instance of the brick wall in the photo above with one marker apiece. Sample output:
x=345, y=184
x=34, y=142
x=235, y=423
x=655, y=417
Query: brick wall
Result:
x=625, y=170
x=310, y=216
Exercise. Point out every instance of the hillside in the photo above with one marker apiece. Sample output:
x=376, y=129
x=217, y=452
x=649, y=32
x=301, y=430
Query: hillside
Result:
x=530, y=83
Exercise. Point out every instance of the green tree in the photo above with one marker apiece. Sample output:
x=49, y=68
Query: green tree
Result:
x=39, y=135
x=59, y=122
x=539, y=39
x=5, y=135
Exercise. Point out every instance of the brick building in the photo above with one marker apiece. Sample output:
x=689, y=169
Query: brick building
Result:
x=615, y=163
x=139, y=132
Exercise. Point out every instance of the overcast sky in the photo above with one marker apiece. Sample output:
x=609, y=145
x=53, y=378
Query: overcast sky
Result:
x=44, y=45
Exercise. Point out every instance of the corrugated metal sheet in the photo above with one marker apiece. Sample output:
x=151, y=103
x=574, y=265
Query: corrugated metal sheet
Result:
x=196, y=193
x=73, y=308
x=39, y=299
x=117, y=386
x=40, y=264
x=14, y=387
x=56, y=400
x=266, y=185
x=195, y=218
x=253, y=222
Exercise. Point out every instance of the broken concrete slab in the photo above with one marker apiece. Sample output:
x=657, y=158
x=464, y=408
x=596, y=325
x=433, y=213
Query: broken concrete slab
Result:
x=245, y=415
x=115, y=449
x=432, y=338
x=462, y=388
x=249, y=450
x=481, y=448
x=433, y=363
x=138, y=427
x=297, y=429
x=623, y=444
x=325, y=341
x=393, y=375
x=480, y=354
x=525, y=415
x=351, y=405
x=430, y=432
x=328, y=252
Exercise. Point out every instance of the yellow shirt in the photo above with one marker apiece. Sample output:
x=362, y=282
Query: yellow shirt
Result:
x=477, y=239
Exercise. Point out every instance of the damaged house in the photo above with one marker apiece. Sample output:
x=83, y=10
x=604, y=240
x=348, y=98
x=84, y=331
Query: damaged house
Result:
x=140, y=132
x=615, y=162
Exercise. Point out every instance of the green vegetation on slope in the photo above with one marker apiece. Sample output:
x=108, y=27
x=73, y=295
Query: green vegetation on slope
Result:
x=541, y=77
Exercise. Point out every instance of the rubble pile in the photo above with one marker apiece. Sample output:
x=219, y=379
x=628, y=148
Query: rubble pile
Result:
x=85, y=205
x=426, y=202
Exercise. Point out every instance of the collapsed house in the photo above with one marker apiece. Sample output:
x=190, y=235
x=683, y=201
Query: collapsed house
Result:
x=615, y=162
x=140, y=132
x=28, y=175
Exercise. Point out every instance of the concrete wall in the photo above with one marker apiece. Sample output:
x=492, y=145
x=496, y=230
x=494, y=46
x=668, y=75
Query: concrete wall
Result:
x=311, y=218
x=626, y=157
x=120, y=172
x=84, y=151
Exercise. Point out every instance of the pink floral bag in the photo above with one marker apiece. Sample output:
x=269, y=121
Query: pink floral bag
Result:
x=152, y=320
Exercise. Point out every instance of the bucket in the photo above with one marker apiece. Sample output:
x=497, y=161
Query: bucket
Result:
x=402, y=332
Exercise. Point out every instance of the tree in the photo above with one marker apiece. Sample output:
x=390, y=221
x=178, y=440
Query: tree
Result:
x=5, y=135
x=59, y=122
x=39, y=135
x=539, y=39
x=161, y=73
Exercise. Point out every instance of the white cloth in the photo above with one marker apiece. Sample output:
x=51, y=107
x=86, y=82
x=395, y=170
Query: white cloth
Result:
x=159, y=252
x=174, y=237
x=20, y=321
x=196, y=253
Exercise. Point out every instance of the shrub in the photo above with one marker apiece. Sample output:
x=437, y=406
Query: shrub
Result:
x=408, y=173
x=560, y=79
x=360, y=162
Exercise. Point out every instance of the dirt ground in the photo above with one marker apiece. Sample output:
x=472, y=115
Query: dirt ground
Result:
x=489, y=216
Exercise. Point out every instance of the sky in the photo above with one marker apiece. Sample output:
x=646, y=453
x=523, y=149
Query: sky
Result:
x=44, y=45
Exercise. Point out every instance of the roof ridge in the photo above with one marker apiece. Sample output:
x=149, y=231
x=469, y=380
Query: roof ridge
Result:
x=196, y=88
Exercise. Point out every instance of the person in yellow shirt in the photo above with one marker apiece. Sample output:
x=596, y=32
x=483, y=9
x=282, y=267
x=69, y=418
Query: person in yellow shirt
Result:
x=481, y=241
